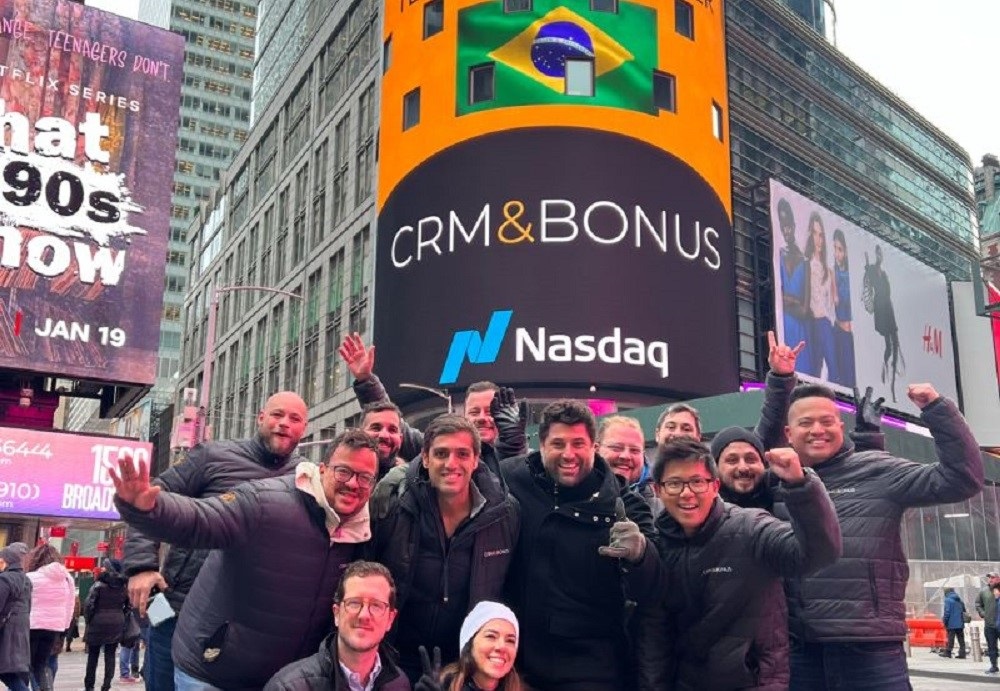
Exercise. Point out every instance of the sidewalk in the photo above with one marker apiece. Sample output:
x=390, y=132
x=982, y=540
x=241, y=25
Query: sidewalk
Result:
x=924, y=663
x=73, y=665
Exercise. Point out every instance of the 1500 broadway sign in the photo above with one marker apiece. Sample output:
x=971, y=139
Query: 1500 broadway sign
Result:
x=556, y=258
x=88, y=110
x=56, y=474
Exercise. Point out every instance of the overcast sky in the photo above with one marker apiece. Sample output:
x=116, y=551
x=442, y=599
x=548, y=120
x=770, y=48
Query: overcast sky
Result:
x=941, y=58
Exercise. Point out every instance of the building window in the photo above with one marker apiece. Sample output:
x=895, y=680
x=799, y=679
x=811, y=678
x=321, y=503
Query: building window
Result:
x=433, y=18
x=579, y=77
x=481, y=83
x=517, y=5
x=604, y=6
x=386, y=54
x=684, y=18
x=411, y=109
x=665, y=91
x=718, y=127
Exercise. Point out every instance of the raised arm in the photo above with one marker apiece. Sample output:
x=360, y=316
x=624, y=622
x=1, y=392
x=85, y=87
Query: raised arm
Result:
x=778, y=387
x=210, y=523
x=959, y=472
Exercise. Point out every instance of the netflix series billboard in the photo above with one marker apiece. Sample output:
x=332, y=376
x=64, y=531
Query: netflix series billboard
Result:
x=89, y=103
x=61, y=474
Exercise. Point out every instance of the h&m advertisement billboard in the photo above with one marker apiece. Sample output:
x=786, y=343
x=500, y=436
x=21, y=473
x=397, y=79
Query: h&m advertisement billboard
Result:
x=870, y=314
x=540, y=236
x=89, y=103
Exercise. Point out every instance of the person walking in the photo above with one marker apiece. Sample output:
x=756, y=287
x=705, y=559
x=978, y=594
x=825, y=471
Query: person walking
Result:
x=986, y=606
x=15, y=601
x=52, y=597
x=954, y=623
x=104, y=616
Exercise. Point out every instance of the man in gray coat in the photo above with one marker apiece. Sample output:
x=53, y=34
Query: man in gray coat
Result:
x=265, y=594
x=847, y=621
x=986, y=606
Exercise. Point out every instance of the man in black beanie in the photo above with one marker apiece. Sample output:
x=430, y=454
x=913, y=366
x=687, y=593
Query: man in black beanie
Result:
x=739, y=454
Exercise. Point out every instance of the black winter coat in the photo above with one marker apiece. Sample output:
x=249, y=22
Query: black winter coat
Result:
x=723, y=622
x=210, y=469
x=265, y=595
x=104, y=611
x=409, y=518
x=570, y=600
x=15, y=598
x=321, y=672
x=860, y=598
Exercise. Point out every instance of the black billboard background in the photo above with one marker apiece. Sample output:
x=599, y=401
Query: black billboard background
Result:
x=579, y=287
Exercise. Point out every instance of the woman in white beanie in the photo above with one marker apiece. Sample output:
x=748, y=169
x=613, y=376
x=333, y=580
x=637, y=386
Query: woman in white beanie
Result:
x=488, y=644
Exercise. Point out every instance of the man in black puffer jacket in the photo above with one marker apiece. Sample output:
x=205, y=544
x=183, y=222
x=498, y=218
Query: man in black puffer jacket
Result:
x=723, y=623
x=447, y=534
x=847, y=621
x=210, y=469
x=364, y=608
x=245, y=617
x=567, y=584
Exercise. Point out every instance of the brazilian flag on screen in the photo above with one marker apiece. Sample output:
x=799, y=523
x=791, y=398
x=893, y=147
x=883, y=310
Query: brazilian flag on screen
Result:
x=528, y=51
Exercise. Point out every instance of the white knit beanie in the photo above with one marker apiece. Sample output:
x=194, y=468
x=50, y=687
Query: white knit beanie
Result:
x=484, y=612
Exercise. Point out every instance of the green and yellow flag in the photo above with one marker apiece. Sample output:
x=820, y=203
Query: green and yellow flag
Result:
x=528, y=51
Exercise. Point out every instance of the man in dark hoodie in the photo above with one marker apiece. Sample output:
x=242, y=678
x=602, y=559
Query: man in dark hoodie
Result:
x=447, y=535
x=15, y=604
x=353, y=656
x=210, y=469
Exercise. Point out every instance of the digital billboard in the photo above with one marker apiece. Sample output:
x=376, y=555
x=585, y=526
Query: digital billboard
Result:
x=89, y=103
x=61, y=474
x=556, y=210
x=870, y=314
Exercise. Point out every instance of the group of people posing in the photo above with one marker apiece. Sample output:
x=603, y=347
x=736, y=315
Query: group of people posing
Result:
x=771, y=559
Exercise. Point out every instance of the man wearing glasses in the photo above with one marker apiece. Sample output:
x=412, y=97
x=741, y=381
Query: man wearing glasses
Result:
x=620, y=443
x=723, y=622
x=447, y=535
x=352, y=657
x=264, y=596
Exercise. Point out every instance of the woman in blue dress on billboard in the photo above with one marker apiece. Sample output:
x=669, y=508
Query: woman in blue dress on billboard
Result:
x=843, y=336
x=794, y=284
x=821, y=290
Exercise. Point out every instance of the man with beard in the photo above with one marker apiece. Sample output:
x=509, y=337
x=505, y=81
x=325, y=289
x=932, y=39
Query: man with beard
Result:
x=246, y=617
x=352, y=657
x=494, y=411
x=743, y=476
x=581, y=559
x=382, y=421
x=209, y=469
x=447, y=535
x=847, y=621
x=620, y=443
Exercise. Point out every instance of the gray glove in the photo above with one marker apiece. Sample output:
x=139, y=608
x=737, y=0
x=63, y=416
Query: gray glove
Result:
x=627, y=543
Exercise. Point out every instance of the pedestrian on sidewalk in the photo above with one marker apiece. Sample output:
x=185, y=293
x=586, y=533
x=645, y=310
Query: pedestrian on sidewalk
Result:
x=104, y=615
x=986, y=606
x=954, y=621
x=15, y=601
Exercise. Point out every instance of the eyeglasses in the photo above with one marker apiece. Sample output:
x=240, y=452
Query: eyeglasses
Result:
x=698, y=485
x=376, y=608
x=342, y=473
x=621, y=448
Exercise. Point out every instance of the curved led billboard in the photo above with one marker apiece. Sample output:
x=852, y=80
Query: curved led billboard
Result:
x=554, y=197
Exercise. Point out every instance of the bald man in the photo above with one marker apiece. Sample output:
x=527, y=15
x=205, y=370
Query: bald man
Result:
x=210, y=469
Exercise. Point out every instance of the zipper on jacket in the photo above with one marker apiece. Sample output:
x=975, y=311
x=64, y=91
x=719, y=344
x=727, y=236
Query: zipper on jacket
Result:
x=555, y=496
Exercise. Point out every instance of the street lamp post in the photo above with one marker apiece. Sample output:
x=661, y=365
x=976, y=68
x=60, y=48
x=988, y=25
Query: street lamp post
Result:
x=206, y=377
x=440, y=393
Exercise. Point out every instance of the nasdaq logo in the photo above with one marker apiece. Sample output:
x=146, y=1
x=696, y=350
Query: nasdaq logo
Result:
x=479, y=349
